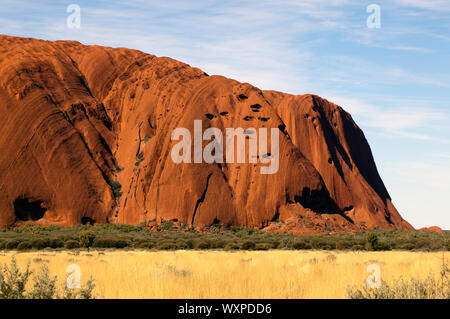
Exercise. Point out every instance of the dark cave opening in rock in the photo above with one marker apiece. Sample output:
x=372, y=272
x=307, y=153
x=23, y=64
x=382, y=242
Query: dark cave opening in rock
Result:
x=87, y=220
x=316, y=200
x=24, y=209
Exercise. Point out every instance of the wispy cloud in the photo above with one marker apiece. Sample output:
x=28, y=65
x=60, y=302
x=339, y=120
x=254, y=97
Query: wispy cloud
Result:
x=402, y=121
x=435, y=5
x=442, y=155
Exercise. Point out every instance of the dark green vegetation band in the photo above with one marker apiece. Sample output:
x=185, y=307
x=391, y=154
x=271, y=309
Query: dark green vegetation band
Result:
x=126, y=236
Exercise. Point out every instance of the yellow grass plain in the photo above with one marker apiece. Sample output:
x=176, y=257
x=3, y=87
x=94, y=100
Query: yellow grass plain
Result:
x=222, y=274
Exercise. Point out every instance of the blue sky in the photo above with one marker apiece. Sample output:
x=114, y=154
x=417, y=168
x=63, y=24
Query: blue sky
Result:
x=394, y=80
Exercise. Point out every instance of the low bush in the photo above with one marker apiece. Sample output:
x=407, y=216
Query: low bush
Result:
x=263, y=246
x=110, y=243
x=324, y=244
x=25, y=245
x=71, y=244
x=181, y=244
x=14, y=284
x=383, y=246
x=248, y=245
x=437, y=245
x=407, y=246
x=12, y=244
x=275, y=244
x=203, y=244
x=38, y=243
x=286, y=243
x=166, y=245
x=190, y=243
x=371, y=241
x=55, y=243
x=344, y=245
x=374, y=244
x=217, y=243
x=299, y=244
x=86, y=238
x=167, y=225
x=232, y=246
x=415, y=288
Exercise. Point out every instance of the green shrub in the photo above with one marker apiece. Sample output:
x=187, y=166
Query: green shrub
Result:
x=436, y=245
x=248, y=245
x=14, y=284
x=166, y=245
x=181, y=244
x=203, y=244
x=383, y=246
x=299, y=244
x=55, y=243
x=166, y=225
x=275, y=244
x=415, y=288
x=25, y=245
x=13, y=280
x=116, y=188
x=110, y=243
x=232, y=246
x=286, y=243
x=371, y=241
x=72, y=244
x=344, y=244
x=216, y=228
x=324, y=244
x=86, y=238
x=12, y=244
x=139, y=158
x=407, y=246
x=190, y=243
x=219, y=243
x=145, y=244
x=263, y=246
x=44, y=285
x=183, y=225
x=117, y=169
x=38, y=243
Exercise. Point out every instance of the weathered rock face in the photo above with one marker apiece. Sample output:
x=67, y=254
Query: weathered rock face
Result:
x=431, y=228
x=76, y=119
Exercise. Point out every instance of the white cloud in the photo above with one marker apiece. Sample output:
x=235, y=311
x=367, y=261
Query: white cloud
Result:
x=442, y=155
x=403, y=122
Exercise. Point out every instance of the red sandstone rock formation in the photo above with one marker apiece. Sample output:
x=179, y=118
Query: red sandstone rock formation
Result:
x=431, y=228
x=76, y=119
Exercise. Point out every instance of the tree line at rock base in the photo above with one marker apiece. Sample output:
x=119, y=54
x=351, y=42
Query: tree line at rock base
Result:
x=32, y=237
